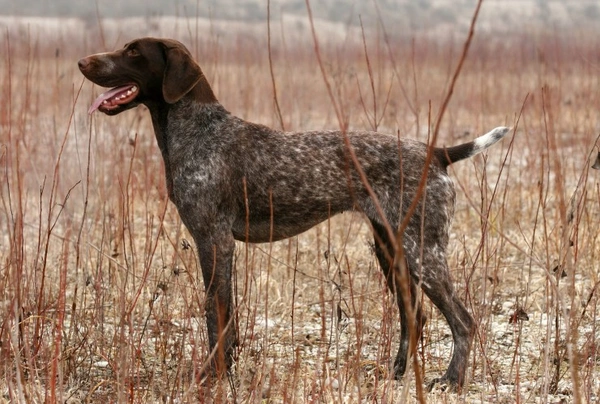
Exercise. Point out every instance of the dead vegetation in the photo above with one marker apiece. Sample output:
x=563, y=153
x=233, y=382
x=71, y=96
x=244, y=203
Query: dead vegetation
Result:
x=101, y=294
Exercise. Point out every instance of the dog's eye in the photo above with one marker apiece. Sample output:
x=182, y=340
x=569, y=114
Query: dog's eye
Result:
x=132, y=52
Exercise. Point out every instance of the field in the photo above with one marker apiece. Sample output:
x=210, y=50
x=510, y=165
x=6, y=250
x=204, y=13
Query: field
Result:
x=101, y=293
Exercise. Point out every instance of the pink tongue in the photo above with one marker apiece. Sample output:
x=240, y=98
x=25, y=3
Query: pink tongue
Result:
x=107, y=95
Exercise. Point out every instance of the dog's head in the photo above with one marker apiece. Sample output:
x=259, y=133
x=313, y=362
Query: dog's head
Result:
x=146, y=70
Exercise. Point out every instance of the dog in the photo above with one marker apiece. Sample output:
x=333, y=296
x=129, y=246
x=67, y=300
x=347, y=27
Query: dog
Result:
x=235, y=180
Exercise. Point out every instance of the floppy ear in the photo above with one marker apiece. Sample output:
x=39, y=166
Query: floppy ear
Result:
x=181, y=74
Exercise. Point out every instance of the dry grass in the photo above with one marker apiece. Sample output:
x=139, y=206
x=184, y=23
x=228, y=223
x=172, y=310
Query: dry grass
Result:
x=101, y=294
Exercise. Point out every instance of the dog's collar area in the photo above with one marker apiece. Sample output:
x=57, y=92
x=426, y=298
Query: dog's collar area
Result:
x=115, y=97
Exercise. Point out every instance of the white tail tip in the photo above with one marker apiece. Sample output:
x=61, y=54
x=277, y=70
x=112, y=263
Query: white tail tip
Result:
x=493, y=136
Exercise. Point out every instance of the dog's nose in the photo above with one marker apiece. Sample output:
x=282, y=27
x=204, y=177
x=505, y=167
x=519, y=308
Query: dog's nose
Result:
x=83, y=63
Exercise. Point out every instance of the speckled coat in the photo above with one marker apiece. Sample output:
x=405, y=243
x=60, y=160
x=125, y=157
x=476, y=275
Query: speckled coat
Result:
x=235, y=180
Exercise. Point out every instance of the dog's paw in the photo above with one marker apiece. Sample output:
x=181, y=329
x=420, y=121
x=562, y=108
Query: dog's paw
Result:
x=443, y=385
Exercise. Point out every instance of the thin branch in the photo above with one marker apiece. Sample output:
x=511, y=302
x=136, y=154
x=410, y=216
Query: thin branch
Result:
x=271, y=66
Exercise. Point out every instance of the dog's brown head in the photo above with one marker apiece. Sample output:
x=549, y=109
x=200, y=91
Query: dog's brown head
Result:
x=146, y=70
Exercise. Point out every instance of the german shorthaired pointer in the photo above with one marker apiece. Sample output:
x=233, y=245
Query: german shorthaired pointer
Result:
x=235, y=180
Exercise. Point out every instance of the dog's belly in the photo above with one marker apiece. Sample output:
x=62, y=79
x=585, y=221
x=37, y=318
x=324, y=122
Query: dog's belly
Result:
x=263, y=232
x=263, y=228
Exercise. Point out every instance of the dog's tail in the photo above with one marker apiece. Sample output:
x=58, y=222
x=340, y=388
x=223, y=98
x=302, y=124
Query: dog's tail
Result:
x=449, y=155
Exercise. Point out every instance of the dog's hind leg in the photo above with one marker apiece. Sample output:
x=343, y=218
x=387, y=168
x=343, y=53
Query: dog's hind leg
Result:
x=437, y=285
x=385, y=253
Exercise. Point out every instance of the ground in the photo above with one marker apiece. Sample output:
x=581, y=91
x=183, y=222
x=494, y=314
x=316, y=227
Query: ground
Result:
x=102, y=300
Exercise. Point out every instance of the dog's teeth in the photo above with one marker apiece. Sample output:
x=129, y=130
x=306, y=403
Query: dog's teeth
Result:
x=105, y=102
x=134, y=88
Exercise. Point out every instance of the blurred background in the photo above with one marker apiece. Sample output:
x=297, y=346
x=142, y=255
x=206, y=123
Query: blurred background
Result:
x=100, y=294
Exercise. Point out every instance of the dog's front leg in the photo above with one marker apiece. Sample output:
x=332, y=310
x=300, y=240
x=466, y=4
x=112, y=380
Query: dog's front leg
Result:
x=216, y=257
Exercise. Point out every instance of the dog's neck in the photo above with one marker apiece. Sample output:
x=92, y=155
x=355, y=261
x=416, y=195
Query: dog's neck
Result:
x=160, y=117
x=202, y=92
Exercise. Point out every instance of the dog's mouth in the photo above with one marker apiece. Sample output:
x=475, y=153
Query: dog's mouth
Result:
x=115, y=98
